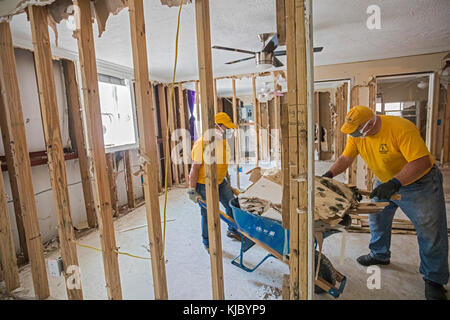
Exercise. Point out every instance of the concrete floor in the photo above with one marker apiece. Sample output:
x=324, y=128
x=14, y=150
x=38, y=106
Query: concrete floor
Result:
x=188, y=264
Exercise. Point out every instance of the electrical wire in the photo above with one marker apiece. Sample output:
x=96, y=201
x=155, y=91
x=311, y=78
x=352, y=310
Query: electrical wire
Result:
x=116, y=251
x=167, y=130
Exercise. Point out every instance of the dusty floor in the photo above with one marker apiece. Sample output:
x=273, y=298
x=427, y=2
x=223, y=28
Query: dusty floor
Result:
x=188, y=265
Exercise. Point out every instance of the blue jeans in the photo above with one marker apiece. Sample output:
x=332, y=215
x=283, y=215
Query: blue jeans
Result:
x=225, y=195
x=423, y=202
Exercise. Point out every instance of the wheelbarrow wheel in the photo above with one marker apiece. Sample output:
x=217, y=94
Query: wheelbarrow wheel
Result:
x=326, y=272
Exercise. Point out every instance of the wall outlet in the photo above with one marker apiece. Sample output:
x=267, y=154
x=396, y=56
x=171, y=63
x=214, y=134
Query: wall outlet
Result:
x=55, y=267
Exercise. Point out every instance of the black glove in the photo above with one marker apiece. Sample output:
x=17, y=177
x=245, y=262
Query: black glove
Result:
x=387, y=189
x=328, y=174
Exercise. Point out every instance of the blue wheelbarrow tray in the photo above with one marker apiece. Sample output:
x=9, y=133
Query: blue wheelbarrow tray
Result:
x=271, y=236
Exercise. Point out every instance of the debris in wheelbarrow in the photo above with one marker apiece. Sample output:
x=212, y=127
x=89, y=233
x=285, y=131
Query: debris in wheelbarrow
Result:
x=332, y=198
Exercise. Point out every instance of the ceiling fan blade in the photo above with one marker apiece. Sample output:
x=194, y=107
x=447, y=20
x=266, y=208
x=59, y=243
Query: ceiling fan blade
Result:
x=318, y=49
x=240, y=60
x=280, y=53
x=277, y=63
x=283, y=52
x=272, y=44
x=233, y=49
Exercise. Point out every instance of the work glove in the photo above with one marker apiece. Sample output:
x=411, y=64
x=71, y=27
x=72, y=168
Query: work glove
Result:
x=328, y=174
x=236, y=192
x=387, y=189
x=194, y=195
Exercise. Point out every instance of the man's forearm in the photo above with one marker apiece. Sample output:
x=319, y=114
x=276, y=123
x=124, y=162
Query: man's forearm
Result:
x=193, y=176
x=413, y=170
x=340, y=165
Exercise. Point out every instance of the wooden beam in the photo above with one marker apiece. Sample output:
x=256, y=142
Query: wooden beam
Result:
x=148, y=146
x=52, y=135
x=186, y=134
x=128, y=164
x=435, y=115
x=197, y=108
x=173, y=126
x=162, y=98
x=298, y=146
x=257, y=119
x=212, y=192
x=216, y=104
x=76, y=118
x=110, y=159
x=14, y=184
x=284, y=124
x=293, y=148
x=353, y=170
x=89, y=81
x=11, y=112
x=446, y=155
x=236, y=133
x=372, y=105
x=318, y=127
x=277, y=112
x=8, y=260
x=281, y=22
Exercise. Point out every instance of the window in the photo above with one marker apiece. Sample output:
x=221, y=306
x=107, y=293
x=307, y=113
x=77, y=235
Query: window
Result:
x=118, y=113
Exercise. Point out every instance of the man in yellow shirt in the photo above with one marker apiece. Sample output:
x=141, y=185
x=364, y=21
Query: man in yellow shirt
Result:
x=396, y=153
x=197, y=189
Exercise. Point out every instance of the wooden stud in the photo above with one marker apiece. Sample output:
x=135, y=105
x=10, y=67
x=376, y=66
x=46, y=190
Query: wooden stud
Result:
x=162, y=98
x=110, y=159
x=212, y=191
x=216, y=104
x=257, y=120
x=76, y=116
x=446, y=155
x=281, y=22
x=89, y=81
x=11, y=112
x=129, y=178
x=52, y=134
x=148, y=146
x=173, y=126
x=185, y=138
x=298, y=147
x=318, y=127
x=13, y=184
x=435, y=115
x=277, y=113
x=372, y=105
x=284, y=126
x=352, y=171
x=8, y=260
x=293, y=148
x=197, y=108
x=236, y=133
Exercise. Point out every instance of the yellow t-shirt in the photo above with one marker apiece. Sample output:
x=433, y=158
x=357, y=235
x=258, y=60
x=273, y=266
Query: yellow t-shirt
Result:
x=223, y=154
x=386, y=153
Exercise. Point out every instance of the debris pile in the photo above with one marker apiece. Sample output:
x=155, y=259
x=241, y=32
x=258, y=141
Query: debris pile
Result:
x=333, y=199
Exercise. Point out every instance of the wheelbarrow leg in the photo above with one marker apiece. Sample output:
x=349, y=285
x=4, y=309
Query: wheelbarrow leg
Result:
x=246, y=244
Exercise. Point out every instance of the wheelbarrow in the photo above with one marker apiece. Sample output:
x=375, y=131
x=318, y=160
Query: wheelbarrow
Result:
x=271, y=236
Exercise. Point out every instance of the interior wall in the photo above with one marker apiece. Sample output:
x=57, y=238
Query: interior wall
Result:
x=35, y=140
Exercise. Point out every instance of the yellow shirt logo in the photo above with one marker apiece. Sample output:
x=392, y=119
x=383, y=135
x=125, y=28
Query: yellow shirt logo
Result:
x=383, y=148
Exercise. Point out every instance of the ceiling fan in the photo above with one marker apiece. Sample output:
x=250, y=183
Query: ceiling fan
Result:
x=267, y=57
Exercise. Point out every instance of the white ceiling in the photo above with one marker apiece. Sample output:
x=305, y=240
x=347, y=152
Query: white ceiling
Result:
x=408, y=27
